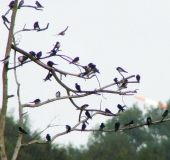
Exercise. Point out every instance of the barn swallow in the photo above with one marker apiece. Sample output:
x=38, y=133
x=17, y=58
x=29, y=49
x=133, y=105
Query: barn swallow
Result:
x=83, y=127
x=5, y=59
x=88, y=114
x=38, y=55
x=68, y=128
x=138, y=78
x=165, y=114
x=49, y=75
x=32, y=53
x=22, y=59
x=75, y=60
x=58, y=94
x=117, y=125
x=62, y=33
x=78, y=87
x=102, y=126
x=38, y=4
x=130, y=123
x=116, y=81
x=36, y=101
x=22, y=130
x=119, y=69
x=120, y=108
x=149, y=121
x=50, y=63
x=84, y=106
x=20, y=4
x=11, y=4
x=48, y=137
x=36, y=25
x=108, y=111
x=5, y=19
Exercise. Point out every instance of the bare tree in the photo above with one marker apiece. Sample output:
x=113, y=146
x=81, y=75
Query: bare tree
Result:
x=86, y=72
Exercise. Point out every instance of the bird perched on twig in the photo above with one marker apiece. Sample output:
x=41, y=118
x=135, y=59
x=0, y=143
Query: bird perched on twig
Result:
x=130, y=123
x=138, y=78
x=32, y=53
x=36, y=101
x=62, y=33
x=20, y=4
x=108, y=111
x=120, y=108
x=38, y=4
x=102, y=126
x=49, y=75
x=22, y=130
x=116, y=81
x=58, y=94
x=75, y=60
x=88, y=114
x=11, y=4
x=5, y=19
x=149, y=121
x=119, y=69
x=48, y=137
x=36, y=25
x=68, y=128
x=78, y=87
x=117, y=125
x=165, y=114
x=22, y=59
x=50, y=63
x=83, y=127
x=84, y=106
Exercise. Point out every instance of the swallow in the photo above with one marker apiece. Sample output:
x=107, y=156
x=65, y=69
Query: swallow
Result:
x=108, y=111
x=83, y=127
x=22, y=59
x=138, y=78
x=78, y=87
x=149, y=121
x=165, y=114
x=88, y=114
x=49, y=75
x=22, y=130
x=130, y=123
x=36, y=101
x=20, y=4
x=93, y=67
x=116, y=81
x=38, y=4
x=11, y=4
x=57, y=45
x=36, y=26
x=32, y=53
x=48, y=137
x=5, y=59
x=75, y=60
x=5, y=19
x=124, y=84
x=83, y=107
x=68, y=128
x=38, y=55
x=102, y=126
x=58, y=94
x=117, y=125
x=120, y=108
x=50, y=63
x=119, y=69
x=62, y=33
x=53, y=52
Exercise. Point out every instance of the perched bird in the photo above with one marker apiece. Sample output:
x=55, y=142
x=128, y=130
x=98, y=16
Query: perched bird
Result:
x=32, y=53
x=75, y=60
x=88, y=114
x=84, y=106
x=20, y=4
x=119, y=69
x=102, y=126
x=11, y=4
x=149, y=121
x=5, y=59
x=68, y=128
x=57, y=45
x=78, y=87
x=38, y=4
x=48, y=137
x=130, y=123
x=83, y=127
x=124, y=84
x=120, y=108
x=22, y=130
x=36, y=25
x=108, y=111
x=22, y=59
x=50, y=63
x=138, y=78
x=165, y=114
x=62, y=33
x=117, y=125
x=36, y=101
x=116, y=81
x=5, y=19
x=57, y=94
x=49, y=75
x=38, y=55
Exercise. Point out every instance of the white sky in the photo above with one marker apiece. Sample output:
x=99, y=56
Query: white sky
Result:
x=133, y=34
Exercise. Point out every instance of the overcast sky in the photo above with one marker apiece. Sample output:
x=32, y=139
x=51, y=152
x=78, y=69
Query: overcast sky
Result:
x=133, y=34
